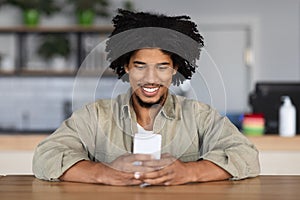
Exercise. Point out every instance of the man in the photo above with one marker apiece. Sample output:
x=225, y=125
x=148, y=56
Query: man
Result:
x=95, y=145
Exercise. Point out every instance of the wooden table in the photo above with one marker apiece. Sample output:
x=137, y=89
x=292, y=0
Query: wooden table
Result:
x=22, y=187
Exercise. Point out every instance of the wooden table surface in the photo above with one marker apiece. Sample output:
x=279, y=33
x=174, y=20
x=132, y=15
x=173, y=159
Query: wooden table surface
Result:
x=22, y=187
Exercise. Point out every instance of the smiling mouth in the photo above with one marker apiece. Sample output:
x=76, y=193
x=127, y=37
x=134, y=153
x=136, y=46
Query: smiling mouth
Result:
x=150, y=90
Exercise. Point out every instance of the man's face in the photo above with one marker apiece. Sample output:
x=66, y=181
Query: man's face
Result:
x=150, y=75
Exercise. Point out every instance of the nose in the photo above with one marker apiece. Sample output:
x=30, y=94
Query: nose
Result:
x=151, y=75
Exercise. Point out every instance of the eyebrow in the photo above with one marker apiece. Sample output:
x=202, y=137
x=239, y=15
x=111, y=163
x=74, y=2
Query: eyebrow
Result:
x=143, y=63
x=139, y=63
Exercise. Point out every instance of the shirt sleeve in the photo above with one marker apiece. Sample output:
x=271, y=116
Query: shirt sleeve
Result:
x=224, y=145
x=68, y=145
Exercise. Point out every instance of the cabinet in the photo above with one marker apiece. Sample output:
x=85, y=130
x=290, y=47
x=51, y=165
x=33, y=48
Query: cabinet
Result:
x=278, y=156
x=21, y=54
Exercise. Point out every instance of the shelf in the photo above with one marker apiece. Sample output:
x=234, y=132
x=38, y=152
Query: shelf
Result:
x=7, y=73
x=24, y=72
x=53, y=73
x=27, y=72
x=21, y=33
x=67, y=29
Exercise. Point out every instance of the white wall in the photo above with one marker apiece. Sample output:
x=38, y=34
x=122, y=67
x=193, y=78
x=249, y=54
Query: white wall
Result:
x=275, y=26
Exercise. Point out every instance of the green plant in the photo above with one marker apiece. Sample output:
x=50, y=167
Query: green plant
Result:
x=128, y=5
x=32, y=9
x=54, y=45
x=99, y=7
x=47, y=7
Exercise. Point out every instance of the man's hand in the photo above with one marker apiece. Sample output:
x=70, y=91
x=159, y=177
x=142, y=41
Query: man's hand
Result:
x=125, y=170
x=132, y=163
x=134, y=169
x=169, y=171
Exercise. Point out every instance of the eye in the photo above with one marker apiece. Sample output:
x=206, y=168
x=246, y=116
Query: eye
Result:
x=140, y=67
x=163, y=67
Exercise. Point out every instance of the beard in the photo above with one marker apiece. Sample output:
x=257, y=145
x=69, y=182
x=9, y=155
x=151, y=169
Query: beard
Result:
x=149, y=105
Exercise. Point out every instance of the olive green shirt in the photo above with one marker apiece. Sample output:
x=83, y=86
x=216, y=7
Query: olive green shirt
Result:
x=104, y=130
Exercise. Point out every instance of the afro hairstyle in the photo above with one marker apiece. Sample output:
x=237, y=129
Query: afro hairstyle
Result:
x=126, y=21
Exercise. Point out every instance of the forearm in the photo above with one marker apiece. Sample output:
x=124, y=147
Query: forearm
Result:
x=85, y=171
x=96, y=172
x=204, y=170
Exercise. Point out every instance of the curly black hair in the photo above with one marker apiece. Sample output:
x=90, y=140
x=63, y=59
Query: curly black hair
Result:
x=126, y=21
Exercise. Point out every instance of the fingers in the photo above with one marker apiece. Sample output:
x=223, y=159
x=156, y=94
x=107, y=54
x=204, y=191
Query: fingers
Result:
x=155, y=174
x=159, y=164
x=154, y=178
x=132, y=163
x=162, y=177
x=143, y=169
x=166, y=160
x=139, y=157
x=137, y=162
x=134, y=169
x=115, y=177
x=173, y=174
x=143, y=163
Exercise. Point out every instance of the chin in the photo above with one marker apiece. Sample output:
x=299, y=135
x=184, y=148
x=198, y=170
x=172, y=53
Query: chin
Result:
x=149, y=103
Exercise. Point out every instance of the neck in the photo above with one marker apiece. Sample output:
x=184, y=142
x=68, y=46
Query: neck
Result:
x=146, y=115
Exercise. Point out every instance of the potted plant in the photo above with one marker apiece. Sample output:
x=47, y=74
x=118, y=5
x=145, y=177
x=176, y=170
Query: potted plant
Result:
x=32, y=9
x=86, y=10
x=54, y=48
x=128, y=5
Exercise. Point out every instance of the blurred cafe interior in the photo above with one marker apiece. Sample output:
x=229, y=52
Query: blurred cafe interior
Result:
x=53, y=61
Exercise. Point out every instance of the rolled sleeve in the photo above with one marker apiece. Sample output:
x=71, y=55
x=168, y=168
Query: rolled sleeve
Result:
x=65, y=147
x=50, y=162
x=226, y=147
x=239, y=162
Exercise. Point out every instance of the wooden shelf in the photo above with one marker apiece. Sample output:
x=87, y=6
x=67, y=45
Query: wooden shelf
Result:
x=63, y=29
x=41, y=72
x=21, y=33
x=7, y=73
x=25, y=72
x=55, y=73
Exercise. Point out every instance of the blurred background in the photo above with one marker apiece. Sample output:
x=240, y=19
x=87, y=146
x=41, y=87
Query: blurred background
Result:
x=251, y=57
x=43, y=43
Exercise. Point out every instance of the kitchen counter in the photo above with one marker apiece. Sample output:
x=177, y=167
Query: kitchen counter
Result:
x=277, y=155
x=264, y=143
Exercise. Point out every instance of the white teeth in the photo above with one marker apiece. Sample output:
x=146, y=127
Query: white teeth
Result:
x=150, y=89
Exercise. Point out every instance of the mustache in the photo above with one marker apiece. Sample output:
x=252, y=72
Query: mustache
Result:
x=150, y=84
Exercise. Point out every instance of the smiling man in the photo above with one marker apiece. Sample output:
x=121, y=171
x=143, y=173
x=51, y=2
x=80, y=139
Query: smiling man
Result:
x=150, y=74
x=95, y=145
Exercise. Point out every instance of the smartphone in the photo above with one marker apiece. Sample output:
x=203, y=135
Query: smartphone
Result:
x=147, y=143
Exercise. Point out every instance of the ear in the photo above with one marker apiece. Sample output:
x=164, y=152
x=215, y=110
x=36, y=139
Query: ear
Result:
x=126, y=68
x=175, y=70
